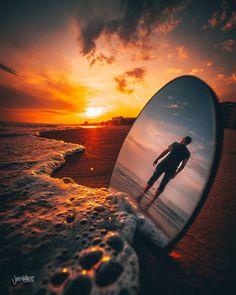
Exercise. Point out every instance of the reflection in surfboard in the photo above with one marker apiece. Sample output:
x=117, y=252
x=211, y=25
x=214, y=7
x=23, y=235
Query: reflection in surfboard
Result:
x=184, y=107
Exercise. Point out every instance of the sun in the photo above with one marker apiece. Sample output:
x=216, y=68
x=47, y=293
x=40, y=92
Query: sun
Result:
x=94, y=112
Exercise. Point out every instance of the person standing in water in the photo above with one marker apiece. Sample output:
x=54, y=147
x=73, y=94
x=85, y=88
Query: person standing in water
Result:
x=176, y=157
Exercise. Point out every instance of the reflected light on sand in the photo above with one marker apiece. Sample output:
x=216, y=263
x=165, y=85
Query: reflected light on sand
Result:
x=90, y=126
x=175, y=255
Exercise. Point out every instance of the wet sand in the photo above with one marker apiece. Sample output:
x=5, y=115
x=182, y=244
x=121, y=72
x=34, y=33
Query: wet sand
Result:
x=93, y=168
x=203, y=262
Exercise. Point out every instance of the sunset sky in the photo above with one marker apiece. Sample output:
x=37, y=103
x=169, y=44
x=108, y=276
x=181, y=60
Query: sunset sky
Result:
x=71, y=61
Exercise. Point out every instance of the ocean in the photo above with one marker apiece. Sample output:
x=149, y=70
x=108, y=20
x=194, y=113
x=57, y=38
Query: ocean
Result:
x=24, y=154
x=168, y=217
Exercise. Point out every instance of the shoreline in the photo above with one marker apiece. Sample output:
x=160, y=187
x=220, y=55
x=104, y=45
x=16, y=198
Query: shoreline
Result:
x=92, y=168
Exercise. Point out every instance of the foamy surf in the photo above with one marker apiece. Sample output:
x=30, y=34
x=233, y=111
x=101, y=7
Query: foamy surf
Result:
x=69, y=237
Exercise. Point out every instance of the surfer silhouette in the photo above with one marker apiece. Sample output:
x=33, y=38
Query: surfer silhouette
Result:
x=176, y=157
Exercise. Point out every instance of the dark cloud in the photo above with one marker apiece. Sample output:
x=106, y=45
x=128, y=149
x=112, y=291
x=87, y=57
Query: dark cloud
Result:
x=137, y=73
x=25, y=22
x=14, y=98
x=129, y=77
x=102, y=59
x=133, y=22
x=90, y=33
x=122, y=85
x=8, y=69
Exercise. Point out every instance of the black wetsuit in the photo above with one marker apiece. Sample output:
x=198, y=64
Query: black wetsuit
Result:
x=178, y=153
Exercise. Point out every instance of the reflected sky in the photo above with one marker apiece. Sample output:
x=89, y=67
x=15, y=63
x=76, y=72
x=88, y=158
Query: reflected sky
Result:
x=184, y=107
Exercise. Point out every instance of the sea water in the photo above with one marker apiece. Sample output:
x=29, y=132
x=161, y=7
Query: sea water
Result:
x=167, y=215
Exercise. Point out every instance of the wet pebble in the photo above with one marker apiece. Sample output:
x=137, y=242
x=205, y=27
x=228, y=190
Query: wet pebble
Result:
x=108, y=273
x=89, y=258
x=115, y=242
x=67, y=180
x=81, y=285
x=103, y=231
x=59, y=277
x=109, y=198
x=41, y=291
x=58, y=225
x=99, y=209
x=70, y=218
x=97, y=241
x=124, y=292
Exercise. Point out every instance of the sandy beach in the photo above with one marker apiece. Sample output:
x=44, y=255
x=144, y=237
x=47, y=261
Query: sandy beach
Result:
x=203, y=261
x=94, y=167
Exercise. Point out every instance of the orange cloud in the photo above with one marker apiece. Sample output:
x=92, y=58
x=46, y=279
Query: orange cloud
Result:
x=175, y=70
x=100, y=58
x=227, y=79
x=182, y=52
x=230, y=23
x=220, y=16
x=196, y=70
x=122, y=85
x=60, y=86
x=209, y=63
x=12, y=98
x=217, y=17
x=129, y=77
x=137, y=73
x=220, y=76
x=228, y=45
x=168, y=25
x=232, y=78
x=213, y=21
x=50, y=94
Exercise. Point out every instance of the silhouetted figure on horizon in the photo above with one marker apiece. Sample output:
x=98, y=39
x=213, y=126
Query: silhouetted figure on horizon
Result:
x=177, y=156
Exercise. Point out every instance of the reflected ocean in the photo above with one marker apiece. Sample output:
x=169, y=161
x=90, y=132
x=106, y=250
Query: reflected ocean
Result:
x=167, y=215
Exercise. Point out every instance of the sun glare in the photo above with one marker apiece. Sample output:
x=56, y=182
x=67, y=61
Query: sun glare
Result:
x=94, y=112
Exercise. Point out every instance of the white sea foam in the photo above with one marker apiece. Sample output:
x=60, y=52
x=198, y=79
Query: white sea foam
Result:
x=30, y=154
x=63, y=217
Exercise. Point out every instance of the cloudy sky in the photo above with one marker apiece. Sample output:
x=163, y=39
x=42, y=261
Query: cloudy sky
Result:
x=70, y=61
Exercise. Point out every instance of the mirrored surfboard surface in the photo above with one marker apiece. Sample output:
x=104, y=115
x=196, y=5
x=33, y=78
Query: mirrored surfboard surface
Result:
x=169, y=196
